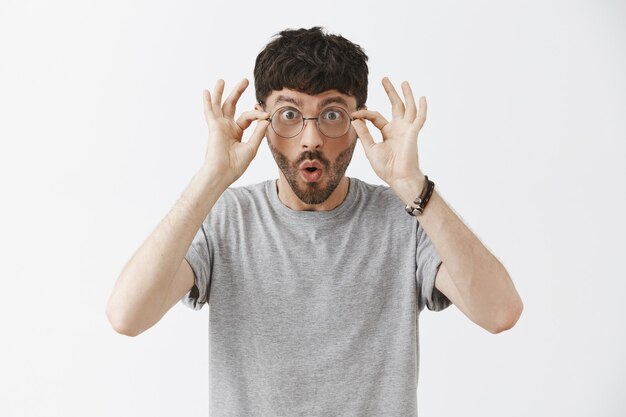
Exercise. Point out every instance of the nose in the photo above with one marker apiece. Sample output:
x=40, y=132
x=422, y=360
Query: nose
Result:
x=311, y=137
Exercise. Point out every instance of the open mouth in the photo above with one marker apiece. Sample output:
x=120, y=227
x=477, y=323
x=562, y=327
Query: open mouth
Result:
x=311, y=170
x=311, y=174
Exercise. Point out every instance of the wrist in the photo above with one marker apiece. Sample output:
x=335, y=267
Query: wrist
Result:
x=409, y=188
x=213, y=178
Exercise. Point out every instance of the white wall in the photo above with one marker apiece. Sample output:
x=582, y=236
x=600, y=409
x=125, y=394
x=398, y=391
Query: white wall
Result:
x=101, y=129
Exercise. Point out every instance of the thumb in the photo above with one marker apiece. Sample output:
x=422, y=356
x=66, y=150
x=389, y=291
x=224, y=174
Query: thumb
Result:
x=364, y=134
x=257, y=136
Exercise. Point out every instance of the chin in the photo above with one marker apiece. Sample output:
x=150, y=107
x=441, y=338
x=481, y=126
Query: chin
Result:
x=314, y=193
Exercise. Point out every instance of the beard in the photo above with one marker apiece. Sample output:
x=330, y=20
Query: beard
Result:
x=314, y=192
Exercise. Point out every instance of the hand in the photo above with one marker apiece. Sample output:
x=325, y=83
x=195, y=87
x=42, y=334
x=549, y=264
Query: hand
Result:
x=395, y=160
x=226, y=155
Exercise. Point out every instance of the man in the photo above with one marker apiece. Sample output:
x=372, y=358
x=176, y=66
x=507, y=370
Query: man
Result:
x=315, y=280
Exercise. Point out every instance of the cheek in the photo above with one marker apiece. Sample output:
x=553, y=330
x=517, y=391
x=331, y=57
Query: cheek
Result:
x=338, y=148
x=282, y=149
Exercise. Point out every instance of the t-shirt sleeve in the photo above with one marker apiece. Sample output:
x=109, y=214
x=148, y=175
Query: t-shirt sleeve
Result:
x=198, y=257
x=428, y=262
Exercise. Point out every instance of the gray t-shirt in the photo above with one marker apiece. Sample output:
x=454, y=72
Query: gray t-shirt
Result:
x=313, y=313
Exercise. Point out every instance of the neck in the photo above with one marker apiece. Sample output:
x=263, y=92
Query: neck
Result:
x=291, y=200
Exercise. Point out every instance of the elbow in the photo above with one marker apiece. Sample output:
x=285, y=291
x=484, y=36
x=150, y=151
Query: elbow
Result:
x=507, y=319
x=123, y=330
x=119, y=324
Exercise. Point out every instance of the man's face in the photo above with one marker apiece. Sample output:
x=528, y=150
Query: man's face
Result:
x=312, y=163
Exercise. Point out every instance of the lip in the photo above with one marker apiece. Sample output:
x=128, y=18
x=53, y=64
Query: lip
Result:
x=311, y=176
x=310, y=164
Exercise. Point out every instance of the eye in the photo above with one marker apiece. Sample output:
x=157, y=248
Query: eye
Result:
x=289, y=113
x=332, y=115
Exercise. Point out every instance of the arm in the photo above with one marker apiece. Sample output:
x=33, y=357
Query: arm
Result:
x=157, y=275
x=470, y=276
x=149, y=285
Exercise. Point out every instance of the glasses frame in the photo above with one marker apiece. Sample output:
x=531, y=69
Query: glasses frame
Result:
x=317, y=121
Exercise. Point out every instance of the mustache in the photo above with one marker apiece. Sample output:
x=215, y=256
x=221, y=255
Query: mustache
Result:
x=312, y=155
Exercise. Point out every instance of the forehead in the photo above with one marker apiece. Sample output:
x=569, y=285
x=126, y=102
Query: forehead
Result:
x=301, y=100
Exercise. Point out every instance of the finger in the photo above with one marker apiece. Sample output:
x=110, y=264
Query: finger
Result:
x=257, y=136
x=217, y=98
x=208, y=107
x=411, y=109
x=246, y=118
x=397, y=106
x=364, y=134
x=373, y=116
x=421, y=116
x=228, y=109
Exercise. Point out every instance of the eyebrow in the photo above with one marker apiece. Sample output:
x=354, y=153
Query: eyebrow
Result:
x=322, y=104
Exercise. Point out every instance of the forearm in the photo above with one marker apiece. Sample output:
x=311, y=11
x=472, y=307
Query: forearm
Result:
x=483, y=286
x=140, y=291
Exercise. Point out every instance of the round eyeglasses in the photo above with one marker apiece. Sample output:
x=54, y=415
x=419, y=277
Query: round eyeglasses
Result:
x=288, y=122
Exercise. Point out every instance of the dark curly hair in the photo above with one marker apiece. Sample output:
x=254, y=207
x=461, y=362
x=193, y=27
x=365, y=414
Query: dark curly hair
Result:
x=311, y=61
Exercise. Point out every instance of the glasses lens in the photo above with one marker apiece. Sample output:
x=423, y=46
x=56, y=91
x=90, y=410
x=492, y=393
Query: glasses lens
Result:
x=334, y=122
x=287, y=122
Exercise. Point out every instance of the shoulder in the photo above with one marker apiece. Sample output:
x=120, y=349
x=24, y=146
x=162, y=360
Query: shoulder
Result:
x=376, y=194
x=237, y=201
x=381, y=204
x=243, y=194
